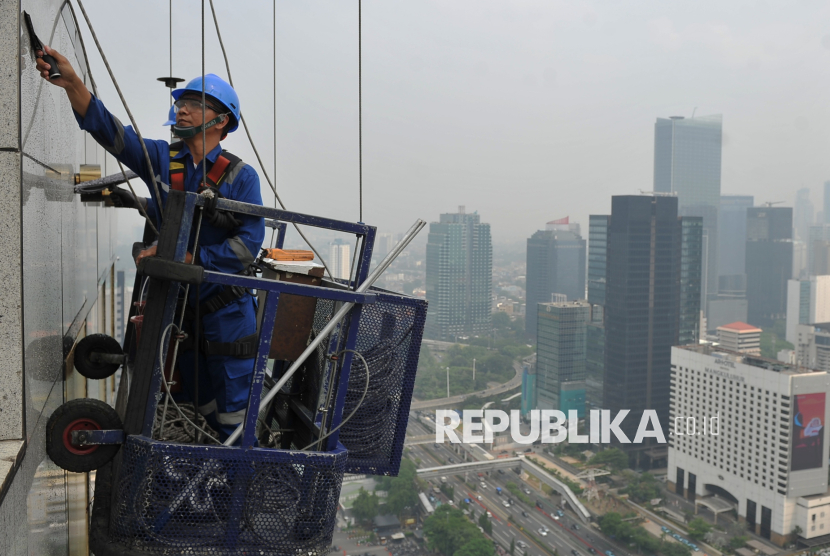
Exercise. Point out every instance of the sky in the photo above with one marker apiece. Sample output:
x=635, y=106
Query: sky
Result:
x=522, y=110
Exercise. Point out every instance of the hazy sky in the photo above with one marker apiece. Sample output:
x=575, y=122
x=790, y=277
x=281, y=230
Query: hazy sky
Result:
x=523, y=110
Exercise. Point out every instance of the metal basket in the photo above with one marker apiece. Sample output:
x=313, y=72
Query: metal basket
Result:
x=389, y=338
x=206, y=500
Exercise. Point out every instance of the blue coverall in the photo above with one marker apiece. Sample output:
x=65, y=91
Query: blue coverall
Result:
x=224, y=381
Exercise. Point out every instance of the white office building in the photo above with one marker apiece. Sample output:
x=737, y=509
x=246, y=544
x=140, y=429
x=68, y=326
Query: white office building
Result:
x=749, y=434
x=340, y=259
x=808, y=302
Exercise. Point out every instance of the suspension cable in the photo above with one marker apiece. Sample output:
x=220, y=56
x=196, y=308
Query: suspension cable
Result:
x=360, y=99
x=253, y=146
x=160, y=207
x=274, y=33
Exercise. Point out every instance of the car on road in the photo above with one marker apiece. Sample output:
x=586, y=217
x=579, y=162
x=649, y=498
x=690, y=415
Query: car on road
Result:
x=575, y=553
x=525, y=514
x=543, y=532
x=489, y=514
x=483, y=484
x=609, y=553
x=521, y=544
x=506, y=504
x=526, y=490
x=560, y=513
x=556, y=517
x=501, y=471
x=574, y=526
x=467, y=500
x=478, y=497
x=592, y=550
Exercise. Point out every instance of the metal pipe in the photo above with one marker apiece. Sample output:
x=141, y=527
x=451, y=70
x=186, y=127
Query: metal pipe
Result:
x=344, y=310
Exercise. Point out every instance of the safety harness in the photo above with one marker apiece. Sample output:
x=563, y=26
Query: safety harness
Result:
x=243, y=348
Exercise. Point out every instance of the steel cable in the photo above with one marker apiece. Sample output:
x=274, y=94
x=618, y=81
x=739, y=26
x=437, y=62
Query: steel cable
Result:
x=253, y=146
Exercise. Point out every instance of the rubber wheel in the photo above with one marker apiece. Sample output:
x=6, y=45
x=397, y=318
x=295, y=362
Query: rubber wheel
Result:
x=76, y=415
x=100, y=343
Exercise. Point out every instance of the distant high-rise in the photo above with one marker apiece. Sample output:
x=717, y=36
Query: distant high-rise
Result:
x=560, y=356
x=826, y=212
x=555, y=264
x=769, y=263
x=802, y=214
x=808, y=302
x=459, y=276
x=818, y=250
x=651, y=254
x=732, y=234
x=687, y=162
x=340, y=258
x=595, y=347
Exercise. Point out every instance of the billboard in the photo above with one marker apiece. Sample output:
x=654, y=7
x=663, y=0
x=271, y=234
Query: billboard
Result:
x=808, y=431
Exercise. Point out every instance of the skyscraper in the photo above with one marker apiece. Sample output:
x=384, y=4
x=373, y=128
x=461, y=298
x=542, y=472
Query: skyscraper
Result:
x=459, y=276
x=340, y=258
x=802, y=214
x=687, y=162
x=732, y=234
x=826, y=203
x=651, y=256
x=560, y=356
x=769, y=263
x=555, y=264
x=595, y=330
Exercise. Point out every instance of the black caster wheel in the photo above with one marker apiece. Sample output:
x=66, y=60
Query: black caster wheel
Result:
x=91, y=353
x=80, y=415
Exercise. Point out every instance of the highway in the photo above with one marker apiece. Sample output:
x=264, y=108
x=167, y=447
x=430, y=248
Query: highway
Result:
x=560, y=536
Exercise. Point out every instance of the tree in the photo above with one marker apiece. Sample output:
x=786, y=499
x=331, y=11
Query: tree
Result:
x=478, y=546
x=795, y=533
x=675, y=549
x=448, y=530
x=512, y=546
x=698, y=529
x=737, y=542
x=610, y=524
x=614, y=458
x=485, y=524
x=365, y=507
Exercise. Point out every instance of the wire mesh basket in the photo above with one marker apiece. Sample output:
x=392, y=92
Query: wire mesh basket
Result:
x=217, y=501
x=389, y=339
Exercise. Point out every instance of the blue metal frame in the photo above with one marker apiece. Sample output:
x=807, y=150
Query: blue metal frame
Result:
x=163, y=298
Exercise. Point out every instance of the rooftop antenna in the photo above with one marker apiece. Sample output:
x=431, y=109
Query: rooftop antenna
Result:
x=693, y=112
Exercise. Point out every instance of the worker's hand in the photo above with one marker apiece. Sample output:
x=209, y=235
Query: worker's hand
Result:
x=69, y=79
x=151, y=252
x=122, y=198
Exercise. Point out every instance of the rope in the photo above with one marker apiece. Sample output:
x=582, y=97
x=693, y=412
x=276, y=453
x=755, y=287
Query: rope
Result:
x=127, y=108
x=253, y=146
x=360, y=99
x=141, y=209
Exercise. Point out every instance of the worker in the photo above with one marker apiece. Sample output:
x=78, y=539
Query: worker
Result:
x=226, y=243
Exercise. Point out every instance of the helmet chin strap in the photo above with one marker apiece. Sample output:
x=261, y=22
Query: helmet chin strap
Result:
x=189, y=131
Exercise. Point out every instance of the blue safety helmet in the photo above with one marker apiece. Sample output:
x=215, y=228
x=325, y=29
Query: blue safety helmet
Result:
x=171, y=116
x=217, y=89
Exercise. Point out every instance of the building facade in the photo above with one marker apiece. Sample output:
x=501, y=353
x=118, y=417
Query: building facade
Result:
x=555, y=265
x=808, y=302
x=595, y=330
x=340, y=259
x=740, y=337
x=812, y=346
x=642, y=312
x=560, y=356
x=769, y=263
x=687, y=163
x=753, y=432
x=59, y=285
x=459, y=277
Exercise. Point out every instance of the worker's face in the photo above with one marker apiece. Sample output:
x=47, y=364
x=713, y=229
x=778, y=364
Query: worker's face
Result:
x=190, y=111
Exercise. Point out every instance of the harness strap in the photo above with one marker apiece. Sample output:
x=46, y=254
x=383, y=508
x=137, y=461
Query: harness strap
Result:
x=243, y=348
x=228, y=295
